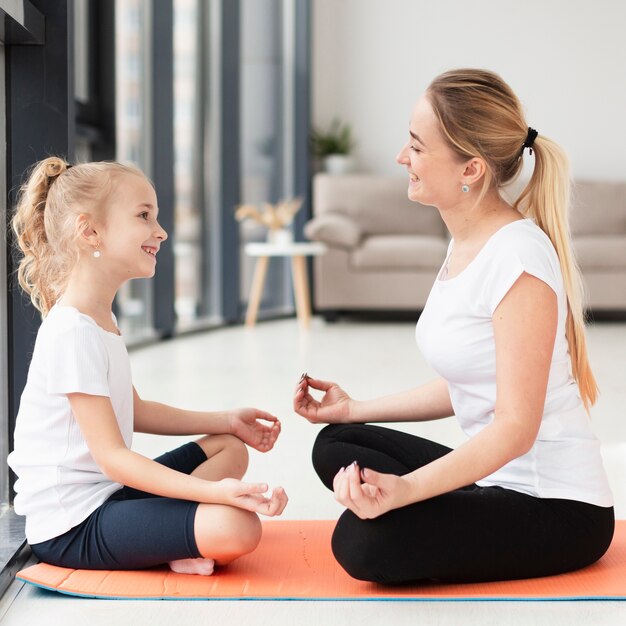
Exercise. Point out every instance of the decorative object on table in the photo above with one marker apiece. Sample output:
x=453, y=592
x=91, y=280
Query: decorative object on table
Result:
x=276, y=217
x=333, y=147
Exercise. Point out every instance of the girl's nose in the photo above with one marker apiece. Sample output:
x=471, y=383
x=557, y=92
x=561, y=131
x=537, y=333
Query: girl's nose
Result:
x=160, y=233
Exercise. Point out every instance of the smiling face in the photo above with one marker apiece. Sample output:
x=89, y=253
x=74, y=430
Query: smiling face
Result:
x=436, y=173
x=131, y=236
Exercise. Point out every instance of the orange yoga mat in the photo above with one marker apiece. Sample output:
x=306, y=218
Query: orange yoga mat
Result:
x=294, y=562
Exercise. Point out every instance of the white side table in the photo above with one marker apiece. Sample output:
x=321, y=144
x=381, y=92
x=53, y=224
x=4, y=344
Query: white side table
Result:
x=297, y=252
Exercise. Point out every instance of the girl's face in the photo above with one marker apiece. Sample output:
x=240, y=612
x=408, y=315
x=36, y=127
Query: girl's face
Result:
x=131, y=237
x=436, y=173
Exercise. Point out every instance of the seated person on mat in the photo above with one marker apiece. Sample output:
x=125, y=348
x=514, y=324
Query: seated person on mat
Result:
x=89, y=501
x=503, y=326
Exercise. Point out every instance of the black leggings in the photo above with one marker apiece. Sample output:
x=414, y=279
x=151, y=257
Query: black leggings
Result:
x=474, y=534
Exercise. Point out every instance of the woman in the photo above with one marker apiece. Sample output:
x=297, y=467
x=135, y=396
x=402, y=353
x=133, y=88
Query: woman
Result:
x=503, y=326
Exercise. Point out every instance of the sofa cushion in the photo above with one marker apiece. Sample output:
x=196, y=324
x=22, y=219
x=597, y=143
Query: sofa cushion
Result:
x=378, y=204
x=606, y=252
x=334, y=229
x=598, y=208
x=399, y=252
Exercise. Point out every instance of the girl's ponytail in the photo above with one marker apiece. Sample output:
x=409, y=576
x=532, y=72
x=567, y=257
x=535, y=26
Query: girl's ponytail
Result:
x=546, y=200
x=37, y=269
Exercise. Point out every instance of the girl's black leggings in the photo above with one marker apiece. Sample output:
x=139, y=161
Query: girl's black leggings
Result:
x=474, y=534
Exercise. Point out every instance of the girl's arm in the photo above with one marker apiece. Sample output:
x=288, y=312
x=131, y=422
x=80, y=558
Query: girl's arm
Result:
x=524, y=328
x=96, y=419
x=247, y=423
x=426, y=402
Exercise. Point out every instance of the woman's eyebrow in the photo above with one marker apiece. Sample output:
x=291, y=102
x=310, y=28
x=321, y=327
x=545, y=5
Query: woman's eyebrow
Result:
x=416, y=137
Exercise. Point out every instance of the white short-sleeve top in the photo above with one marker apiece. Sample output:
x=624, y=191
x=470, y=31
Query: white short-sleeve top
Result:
x=59, y=483
x=455, y=335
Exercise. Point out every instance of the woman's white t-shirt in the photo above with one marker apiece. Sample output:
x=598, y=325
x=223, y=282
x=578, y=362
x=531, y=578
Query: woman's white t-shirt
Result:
x=455, y=335
x=59, y=483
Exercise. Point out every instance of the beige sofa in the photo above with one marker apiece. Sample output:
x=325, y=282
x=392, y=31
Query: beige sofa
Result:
x=384, y=251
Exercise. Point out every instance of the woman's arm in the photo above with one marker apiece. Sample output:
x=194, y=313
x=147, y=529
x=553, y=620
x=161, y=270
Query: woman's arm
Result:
x=524, y=328
x=246, y=423
x=427, y=402
x=96, y=419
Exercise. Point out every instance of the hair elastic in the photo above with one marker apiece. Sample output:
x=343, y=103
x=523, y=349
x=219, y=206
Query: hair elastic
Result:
x=530, y=140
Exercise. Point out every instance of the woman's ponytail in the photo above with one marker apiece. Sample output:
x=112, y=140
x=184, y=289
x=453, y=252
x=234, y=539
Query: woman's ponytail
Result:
x=36, y=271
x=546, y=199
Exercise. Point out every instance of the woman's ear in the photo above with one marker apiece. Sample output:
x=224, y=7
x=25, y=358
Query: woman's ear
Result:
x=474, y=170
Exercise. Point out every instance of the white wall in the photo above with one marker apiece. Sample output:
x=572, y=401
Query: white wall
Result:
x=565, y=59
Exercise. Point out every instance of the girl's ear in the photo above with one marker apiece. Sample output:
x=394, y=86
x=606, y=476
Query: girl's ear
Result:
x=87, y=235
x=474, y=170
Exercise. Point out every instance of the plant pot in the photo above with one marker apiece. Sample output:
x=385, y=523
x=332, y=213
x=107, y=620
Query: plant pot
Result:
x=338, y=164
x=280, y=236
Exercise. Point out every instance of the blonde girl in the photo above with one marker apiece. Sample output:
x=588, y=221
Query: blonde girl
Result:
x=503, y=326
x=89, y=500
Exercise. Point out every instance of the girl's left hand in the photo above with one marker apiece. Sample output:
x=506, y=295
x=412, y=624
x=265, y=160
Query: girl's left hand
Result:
x=245, y=424
x=378, y=493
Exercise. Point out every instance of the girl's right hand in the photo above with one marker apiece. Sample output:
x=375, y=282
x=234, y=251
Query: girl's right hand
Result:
x=249, y=496
x=334, y=408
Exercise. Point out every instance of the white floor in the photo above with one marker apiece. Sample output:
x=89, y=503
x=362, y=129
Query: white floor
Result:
x=260, y=367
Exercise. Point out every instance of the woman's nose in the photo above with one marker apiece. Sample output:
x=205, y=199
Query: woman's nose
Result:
x=402, y=156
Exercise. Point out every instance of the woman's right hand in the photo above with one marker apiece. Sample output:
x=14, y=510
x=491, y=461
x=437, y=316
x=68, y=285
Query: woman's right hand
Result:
x=249, y=496
x=334, y=408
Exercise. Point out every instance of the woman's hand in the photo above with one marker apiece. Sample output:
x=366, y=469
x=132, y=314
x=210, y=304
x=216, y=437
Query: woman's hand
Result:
x=246, y=424
x=249, y=496
x=377, y=494
x=334, y=408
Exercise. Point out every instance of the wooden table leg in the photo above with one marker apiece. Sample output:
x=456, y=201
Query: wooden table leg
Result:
x=301, y=289
x=256, y=291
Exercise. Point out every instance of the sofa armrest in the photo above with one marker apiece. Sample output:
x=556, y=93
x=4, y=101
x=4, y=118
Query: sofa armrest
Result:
x=334, y=229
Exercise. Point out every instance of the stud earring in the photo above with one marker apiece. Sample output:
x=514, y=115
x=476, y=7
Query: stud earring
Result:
x=465, y=188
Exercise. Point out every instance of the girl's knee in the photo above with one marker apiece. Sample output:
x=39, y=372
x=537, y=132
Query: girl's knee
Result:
x=225, y=533
x=229, y=447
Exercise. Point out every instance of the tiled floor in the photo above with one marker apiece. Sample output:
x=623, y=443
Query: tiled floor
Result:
x=260, y=367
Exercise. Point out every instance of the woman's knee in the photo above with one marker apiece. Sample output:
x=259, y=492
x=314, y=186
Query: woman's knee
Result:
x=356, y=547
x=333, y=449
x=225, y=533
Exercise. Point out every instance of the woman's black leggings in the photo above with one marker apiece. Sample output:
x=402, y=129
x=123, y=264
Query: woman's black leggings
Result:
x=474, y=534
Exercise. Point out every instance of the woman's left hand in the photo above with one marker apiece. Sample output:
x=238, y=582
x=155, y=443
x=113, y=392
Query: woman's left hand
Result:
x=377, y=494
x=247, y=425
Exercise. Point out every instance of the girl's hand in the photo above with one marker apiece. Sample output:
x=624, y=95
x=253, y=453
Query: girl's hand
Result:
x=334, y=407
x=378, y=493
x=245, y=424
x=249, y=496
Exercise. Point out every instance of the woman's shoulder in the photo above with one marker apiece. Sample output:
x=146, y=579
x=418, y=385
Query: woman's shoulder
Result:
x=523, y=238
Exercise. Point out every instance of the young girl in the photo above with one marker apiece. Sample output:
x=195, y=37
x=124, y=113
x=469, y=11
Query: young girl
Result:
x=503, y=326
x=89, y=501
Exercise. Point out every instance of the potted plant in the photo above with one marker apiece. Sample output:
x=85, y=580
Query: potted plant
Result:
x=333, y=147
x=276, y=217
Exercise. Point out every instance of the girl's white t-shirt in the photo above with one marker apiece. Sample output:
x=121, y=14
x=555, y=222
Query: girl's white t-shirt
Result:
x=59, y=483
x=455, y=335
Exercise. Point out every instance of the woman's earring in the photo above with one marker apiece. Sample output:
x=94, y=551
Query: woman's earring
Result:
x=465, y=188
x=96, y=252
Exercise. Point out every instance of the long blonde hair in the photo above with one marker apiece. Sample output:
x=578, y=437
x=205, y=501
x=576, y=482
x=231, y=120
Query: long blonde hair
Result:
x=45, y=223
x=481, y=116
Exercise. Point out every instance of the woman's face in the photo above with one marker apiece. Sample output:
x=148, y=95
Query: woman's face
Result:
x=436, y=173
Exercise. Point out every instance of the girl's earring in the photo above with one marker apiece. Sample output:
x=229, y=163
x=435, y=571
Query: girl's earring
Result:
x=96, y=252
x=465, y=188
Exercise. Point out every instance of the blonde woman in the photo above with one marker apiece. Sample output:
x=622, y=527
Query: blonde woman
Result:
x=89, y=500
x=526, y=495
